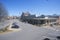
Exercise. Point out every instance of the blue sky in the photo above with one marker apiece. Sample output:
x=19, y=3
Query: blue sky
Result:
x=38, y=7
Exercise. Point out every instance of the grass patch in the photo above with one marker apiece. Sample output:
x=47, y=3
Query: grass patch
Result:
x=4, y=30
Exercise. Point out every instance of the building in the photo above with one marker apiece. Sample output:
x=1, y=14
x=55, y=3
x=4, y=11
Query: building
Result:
x=45, y=20
x=32, y=19
x=58, y=20
x=26, y=15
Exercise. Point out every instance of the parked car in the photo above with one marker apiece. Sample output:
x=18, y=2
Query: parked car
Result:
x=14, y=25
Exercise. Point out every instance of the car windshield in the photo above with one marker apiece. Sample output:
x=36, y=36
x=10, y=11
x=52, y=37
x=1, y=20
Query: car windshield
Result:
x=14, y=23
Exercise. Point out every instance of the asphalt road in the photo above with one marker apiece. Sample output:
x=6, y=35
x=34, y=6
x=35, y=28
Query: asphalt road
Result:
x=30, y=32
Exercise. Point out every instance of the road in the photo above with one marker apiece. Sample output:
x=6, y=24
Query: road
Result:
x=30, y=32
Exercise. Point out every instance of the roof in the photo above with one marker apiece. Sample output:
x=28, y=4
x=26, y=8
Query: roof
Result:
x=45, y=18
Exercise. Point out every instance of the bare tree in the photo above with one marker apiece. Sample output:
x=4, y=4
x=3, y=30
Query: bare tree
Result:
x=3, y=12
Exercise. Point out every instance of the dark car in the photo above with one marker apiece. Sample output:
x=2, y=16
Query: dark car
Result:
x=15, y=26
